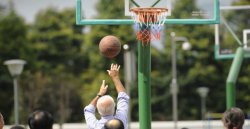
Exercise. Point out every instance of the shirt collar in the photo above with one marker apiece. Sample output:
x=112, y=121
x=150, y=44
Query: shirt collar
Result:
x=108, y=117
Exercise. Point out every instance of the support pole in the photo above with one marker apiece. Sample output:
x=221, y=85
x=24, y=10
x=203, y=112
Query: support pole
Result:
x=174, y=85
x=203, y=108
x=16, y=100
x=232, y=77
x=144, y=89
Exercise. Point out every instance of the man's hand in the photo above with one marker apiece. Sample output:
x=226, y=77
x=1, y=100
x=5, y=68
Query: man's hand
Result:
x=114, y=70
x=114, y=74
x=1, y=121
x=102, y=91
x=103, y=88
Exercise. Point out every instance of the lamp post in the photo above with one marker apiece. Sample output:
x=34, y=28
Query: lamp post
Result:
x=15, y=67
x=130, y=66
x=203, y=91
x=174, y=85
x=130, y=69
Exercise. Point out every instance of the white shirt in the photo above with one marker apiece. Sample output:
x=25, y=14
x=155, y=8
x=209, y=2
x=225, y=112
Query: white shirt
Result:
x=121, y=113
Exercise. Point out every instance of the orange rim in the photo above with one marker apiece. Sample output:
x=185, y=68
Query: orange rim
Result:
x=148, y=10
x=148, y=14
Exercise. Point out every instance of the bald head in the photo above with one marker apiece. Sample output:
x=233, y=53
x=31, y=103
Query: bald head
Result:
x=106, y=105
x=114, y=124
x=40, y=120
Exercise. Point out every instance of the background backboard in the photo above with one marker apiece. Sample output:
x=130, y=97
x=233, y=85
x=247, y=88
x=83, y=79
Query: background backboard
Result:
x=246, y=38
x=232, y=32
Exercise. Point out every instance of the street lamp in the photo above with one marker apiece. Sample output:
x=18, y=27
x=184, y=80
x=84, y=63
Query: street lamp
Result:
x=15, y=67
x=130, y=65
x=174, y=86
x=130, y=69
x=203, y=91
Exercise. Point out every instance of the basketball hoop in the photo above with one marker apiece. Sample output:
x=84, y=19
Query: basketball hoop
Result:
x=149, y=23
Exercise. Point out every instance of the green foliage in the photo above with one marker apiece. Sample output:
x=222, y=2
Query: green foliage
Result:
x=59, y=62
x=13, y=44
x=57, y=39
x=53, y=52
x=65, y=69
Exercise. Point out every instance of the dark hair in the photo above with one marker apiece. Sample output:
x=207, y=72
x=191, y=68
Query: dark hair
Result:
x=17, y=127
x=233, y=117
x=114, y=124
x=40, y=120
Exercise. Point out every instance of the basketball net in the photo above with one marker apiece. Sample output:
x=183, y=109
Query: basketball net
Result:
x=149, y=23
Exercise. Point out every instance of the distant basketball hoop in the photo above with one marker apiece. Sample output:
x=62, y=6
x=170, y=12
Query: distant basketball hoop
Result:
x=149, y=23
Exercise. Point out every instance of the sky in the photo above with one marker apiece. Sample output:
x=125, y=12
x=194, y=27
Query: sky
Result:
x=29, y=8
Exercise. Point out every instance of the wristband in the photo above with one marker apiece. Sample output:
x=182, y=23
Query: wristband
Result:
x=99, y=95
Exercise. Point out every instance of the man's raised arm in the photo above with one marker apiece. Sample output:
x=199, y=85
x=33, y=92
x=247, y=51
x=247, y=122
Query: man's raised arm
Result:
x=114, y=74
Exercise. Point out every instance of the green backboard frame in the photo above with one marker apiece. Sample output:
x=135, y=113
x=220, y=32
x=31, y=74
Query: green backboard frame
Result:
x=241, y=43
x=80, y=21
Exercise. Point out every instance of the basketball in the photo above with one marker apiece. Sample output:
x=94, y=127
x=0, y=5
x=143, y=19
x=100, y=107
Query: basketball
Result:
x=110, y=46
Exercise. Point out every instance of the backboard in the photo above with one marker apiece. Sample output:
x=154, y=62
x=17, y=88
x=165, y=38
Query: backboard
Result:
x=232, y=32
x=246, y=38
x=186, y=12
x=204, y=10
x=129, y=4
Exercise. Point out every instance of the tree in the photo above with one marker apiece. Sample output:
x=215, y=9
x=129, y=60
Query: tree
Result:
x=2, y=8
x=13, y=45
x=65, y=68
x=54, y=71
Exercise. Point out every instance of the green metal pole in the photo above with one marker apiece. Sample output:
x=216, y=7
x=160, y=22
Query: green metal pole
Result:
x=230, y=89
x=232, y=77
x=78, y=11
x=144, y=89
